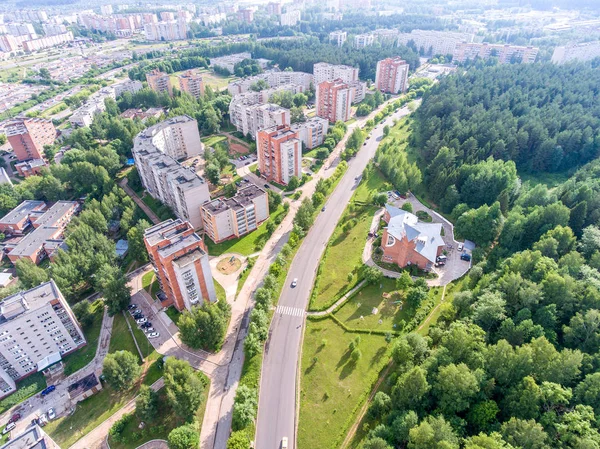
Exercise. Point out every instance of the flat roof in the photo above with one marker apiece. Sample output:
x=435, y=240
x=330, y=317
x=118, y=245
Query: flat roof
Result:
x=32, y=438
x=178, y=244
x=21, y=211
x=244, y=197
x=28, y=300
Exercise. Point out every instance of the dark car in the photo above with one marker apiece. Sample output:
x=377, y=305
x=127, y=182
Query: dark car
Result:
x=146, y=324
x=48, y=390
x=465, y=256
x=237, y=183
x=15, y=417
x=267, y=186
x=138, y=316
x=131, y=306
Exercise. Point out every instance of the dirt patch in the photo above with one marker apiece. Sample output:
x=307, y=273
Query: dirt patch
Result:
x=229, y=265
x=235, y=147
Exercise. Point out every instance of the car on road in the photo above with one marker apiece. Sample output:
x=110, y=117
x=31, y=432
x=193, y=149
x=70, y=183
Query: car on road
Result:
x=294, y=282
x=146, y=325
x=465, y=256
x=10, y=426
x=323, y=209
x=46, y=391
x=14, y=418
x=284, y=443
x=141, y=321
x=460, y=247
x=154, y=335
x=42, y=421
x=237, y=183
x=51, y=413
x=364, y=143
x=267, y=186
x=246, y=180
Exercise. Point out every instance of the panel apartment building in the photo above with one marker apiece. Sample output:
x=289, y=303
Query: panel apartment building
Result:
x=334, y=100
x=504, y=53
x=435, y=42
x=329, y=72
x=181, y=264
x=191, y=82
x=159, y=82
x=301, y=80
x=37, y=329
x=312, y=132
x=392, y=75
x=28, y=136
x=156, y=151
x=279, y=154
x=228, y=218
x=576, y=52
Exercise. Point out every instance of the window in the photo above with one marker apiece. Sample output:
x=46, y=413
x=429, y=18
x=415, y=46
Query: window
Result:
x=390, y=240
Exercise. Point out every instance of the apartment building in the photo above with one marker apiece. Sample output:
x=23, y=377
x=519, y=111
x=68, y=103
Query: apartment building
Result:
x=228, y=218
x=338, y=37
x=576, y=52
x=156, y=151
x=8, y=43
x=18, y=220
x=385, y=35
x=274, y=78
x=246, y=15
x=212, y=19
x=84, y=115
x=191, y=83
x=106, y=10
x=312, y=132
x=334, y=100
x=504, y=53
x=262, y=116
x=48, y=41
x=169, y=30
x=32, y=15
x=46, y=237
x=37, y=329
x=279, y=152
x=159, y=82
x=31, y=438
x=131, y=86
x=228, y=62
x=323, y=71
x=274, y=8
x=290, y=18
x=21, y=29
x=50, y=29
x=31, y=167
x=435, y=42
x=181, y=264
x=363, y=40
x=27, y=137
x=392, y=75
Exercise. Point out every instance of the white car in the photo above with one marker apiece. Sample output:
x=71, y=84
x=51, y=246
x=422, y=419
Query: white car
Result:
x=9, y=427
x=284, y=443
x=154, y=334
x=460, y=247
x=149, y=330
x=141, y=321
x=51, y=413
x=294, y=282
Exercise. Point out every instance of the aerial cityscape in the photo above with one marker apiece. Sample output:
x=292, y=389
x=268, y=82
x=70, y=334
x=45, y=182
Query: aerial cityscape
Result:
x=348, y=224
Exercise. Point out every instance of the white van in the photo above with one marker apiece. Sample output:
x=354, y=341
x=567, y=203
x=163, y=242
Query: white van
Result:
x=8, y=428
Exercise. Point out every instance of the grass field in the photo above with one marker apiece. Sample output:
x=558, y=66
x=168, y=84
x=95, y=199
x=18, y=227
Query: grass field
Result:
x=173, y=313
x=242, y=280
x=163, y=212
x=332, y=385
x=246, y=245
x=80, y=358
x=212, y=140
x=121, y=339
x=221, y=295
x=344, y=251
x=147, y=279
x=26, y=388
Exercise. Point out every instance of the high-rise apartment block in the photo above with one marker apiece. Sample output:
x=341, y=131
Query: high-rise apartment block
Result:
x=48, y=41
x=156, y=151
x=273, y=78
x=170, y=30
x=576, y=52
x=323, y=71
x=181, y=263
x=131, y=86
x=274, y=8
x=50, y=29
x=228, y=218
x=338, y=37
x=37, y=328
x=279, y=154
x=289, y=18
x=159, y=82
x=334, y=100
x=8, y=43
x=434, y=42
x=392, y=75
x=28, y=136
x=191, y=83
x=246, y=15
x=504, y=53
x=107, y=10
x=363, y=40
x=256, y=117
x=312, y=132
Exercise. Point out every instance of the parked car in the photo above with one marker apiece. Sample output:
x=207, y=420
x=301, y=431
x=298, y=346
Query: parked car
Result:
x=441, y=258
x=149, y=330
x=153, y=335
x=141, y=321
x=14, y=418
x=247, y=163
x=246, y=180
x=460, y=246
x=42, y=421
x=132, y=306
x=135, y=311
x=237, y=183
x=465, y=256
x=284, y=443
x=138, y=316
x=48, y=390
x=267, y=186
x=146, y=325
x=10, y=426
x=51, y=414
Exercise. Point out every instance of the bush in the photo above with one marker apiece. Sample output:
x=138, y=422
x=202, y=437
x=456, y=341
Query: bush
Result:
x=184, y=437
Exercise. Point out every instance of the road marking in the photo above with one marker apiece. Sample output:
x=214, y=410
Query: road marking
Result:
x=292, y=311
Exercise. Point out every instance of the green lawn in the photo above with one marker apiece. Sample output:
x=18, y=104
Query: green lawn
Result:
x=242, y=279
x=212, y=140
x=246, y=245
x=344, y=252
x=26, y=388
x=356, y=313
x=173, y=313
x=80, y=358
x=332, y=386
x=549, y=179
x=147, y=279
x=221, y=295
x=121, y=339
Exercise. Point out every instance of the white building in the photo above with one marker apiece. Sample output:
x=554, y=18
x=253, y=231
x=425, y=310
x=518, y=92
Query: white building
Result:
x=156, y=151
x=50, y=29
x=48, y=41
x=434, y=42
x=131, y=86
x=106, y=10
x=170, y=30
x=228, y=62
x=290, y=18
x=84, y=115
x=21, y=29
x=312, y=132
x=323, y=71
x=273, y=78
x=256, y=117
x=338, y=37
x=37, y=328
x=212, y=19
x=576, y=52
x=363, y=40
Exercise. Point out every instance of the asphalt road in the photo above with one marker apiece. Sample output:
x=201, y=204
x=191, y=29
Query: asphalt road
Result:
x=277, y=401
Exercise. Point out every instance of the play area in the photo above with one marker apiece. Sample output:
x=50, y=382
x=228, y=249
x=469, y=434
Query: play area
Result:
x=229, y=265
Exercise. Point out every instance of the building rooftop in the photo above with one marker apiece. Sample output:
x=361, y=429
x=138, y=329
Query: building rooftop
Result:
x=243, y=198
x=188, y=258
x=32, y=438
x=179, y=243
x=82, y=385
x=22, y=211
x=28, y=300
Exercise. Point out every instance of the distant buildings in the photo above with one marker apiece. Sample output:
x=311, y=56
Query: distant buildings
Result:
x=576, y=52
x=28, y=136
x=290, y=18
x=227, y=218
x=46, y=237
x=156, y=151
x=191, y=83
x=106, y=10
x=159, y=82
x=84, y=115
x=131, y=86
x=168, y=30
x=363, y=40
x=50, y=29
x=392, y=75
x=338, y=37
x=246, y=15
x=228, y=62
x=274, y=8
x=279, y=154
x=312, y=132
x=47, y=42
x=37, y=328
x=434, y=42
x=181, y=264
x=274, y=78
x=334, y=100
x=504, y=53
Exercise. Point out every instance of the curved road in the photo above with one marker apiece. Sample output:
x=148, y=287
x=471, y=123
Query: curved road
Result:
x=277, y=400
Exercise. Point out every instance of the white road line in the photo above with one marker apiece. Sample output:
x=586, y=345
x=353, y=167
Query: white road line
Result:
x=292, y=311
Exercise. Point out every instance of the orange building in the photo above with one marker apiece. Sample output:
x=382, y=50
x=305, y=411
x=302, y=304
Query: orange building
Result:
x=159, y=82
x=392, y=75
x=334, y=100
x=191, y=83
x=279, y=154
x=28, y=136
x=407, y=241
x=181, y=264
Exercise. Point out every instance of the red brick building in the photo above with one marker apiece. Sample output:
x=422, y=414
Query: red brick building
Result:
x=334, y=100
x=181, y=264
x=28, y=136
x=279, y=154
x=407, y=241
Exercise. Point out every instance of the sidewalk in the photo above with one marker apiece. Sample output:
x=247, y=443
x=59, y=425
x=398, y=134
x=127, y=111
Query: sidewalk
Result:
x=339, y=302
x=151, y=215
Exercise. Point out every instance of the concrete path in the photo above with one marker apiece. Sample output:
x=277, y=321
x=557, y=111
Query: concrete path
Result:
x=228, y=281
x=151, y=215
x=339, y=302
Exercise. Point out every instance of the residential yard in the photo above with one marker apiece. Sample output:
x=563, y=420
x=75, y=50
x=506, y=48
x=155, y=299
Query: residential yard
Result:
x=212, y=140
x=80, y=358
x=147, y=280
x=333, y=386
x=173, y=313
x=121, y=339
x=221, y=295
x=344, y=251
x=242, y=279
x=163, y=212
x=246, y=245
x=26, y=388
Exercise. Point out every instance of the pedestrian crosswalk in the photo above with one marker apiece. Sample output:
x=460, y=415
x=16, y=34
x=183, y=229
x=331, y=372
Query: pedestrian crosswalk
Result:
x=286, y=310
